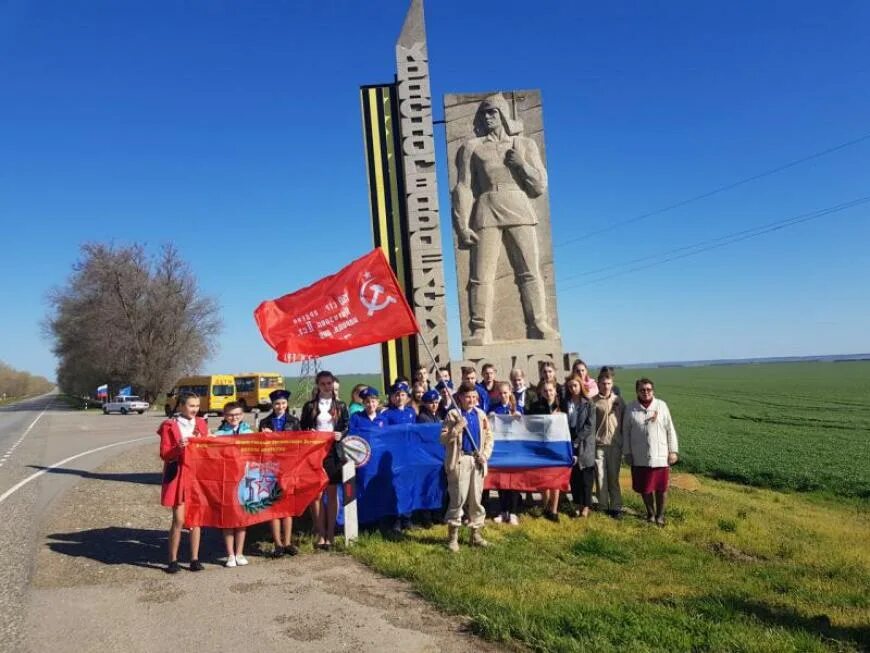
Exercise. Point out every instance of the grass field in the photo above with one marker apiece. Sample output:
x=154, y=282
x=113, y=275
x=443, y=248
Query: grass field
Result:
x=796, y=426
x=738, y=568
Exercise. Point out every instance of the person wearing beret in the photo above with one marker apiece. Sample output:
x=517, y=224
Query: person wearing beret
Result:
x=281, y=420
x=445, y=390
x=429, y=408
x=368, y=417
x=399, y=411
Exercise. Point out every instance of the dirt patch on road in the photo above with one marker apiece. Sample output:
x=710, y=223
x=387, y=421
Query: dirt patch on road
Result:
x=99, y=585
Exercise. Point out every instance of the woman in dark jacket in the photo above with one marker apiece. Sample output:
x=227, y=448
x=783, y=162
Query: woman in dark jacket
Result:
x=548, y=404
x=581, y=422
x=325, y=412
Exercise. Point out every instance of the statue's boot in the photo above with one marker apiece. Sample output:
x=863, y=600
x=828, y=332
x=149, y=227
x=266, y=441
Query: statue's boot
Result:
x=535, y=307
x=480, y=297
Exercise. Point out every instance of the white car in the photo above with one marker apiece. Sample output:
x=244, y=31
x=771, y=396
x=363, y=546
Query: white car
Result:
x=125, y=405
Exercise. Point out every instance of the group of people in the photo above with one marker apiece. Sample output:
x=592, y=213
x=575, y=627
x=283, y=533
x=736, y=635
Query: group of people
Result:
x=605, y=430
x=323, y=412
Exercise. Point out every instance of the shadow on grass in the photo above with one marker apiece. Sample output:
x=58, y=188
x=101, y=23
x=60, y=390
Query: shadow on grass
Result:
x=143, y=478
x=819, y=625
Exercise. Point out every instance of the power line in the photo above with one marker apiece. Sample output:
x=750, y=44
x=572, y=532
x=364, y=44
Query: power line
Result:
x=721, y=241
x=715, y=191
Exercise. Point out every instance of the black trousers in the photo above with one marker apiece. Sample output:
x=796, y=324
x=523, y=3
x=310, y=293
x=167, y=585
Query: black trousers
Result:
x=508, y=501
x=581, y=485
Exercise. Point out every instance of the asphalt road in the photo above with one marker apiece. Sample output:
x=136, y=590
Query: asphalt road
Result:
x=83, y=542
x=34, y=435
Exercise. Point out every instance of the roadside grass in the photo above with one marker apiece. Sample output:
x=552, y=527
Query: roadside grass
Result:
x=736, y=569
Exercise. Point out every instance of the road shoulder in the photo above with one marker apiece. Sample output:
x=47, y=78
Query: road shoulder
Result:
x=98, y=585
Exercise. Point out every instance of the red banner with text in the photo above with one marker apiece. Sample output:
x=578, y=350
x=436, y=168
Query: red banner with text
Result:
x=362, y=304
x=236, y=481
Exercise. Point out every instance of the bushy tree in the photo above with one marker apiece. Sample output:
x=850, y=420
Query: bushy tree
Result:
x=124, y=317
x=15, y=383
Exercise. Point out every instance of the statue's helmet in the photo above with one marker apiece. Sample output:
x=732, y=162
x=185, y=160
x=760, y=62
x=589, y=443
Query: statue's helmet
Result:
x=496, y=101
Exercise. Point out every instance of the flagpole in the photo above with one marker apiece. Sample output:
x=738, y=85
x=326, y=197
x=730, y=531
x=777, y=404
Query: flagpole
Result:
x=452, y=400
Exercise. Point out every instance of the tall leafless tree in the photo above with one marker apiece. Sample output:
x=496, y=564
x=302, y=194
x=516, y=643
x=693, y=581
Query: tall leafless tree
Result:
x=124, y=317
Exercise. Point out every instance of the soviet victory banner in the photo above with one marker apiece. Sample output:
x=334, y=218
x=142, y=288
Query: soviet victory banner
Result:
x=239, y=481
x=361, y=304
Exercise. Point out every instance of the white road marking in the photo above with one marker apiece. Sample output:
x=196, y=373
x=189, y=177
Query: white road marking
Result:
x=24, y=435
x=8, y=493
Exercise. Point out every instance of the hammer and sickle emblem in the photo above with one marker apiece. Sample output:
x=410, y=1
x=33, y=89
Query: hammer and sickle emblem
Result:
x=372, y=301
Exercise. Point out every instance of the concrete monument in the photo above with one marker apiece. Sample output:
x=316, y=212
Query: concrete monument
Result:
x=421, y=187
x=501, y=219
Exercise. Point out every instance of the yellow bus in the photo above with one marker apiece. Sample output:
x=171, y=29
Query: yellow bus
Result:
x=253, y=388
x=214, y=392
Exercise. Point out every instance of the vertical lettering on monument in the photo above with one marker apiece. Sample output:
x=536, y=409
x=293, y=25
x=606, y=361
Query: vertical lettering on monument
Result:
x=421, y=188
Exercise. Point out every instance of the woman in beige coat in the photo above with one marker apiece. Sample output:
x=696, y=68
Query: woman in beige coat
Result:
x=649, y=442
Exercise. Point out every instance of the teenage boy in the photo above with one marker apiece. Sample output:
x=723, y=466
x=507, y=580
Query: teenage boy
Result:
x=467, y=439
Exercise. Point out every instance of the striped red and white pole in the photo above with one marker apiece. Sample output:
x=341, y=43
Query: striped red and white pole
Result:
x=348, y=484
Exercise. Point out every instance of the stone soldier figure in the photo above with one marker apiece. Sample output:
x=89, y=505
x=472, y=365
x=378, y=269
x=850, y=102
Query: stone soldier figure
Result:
x=497, y=172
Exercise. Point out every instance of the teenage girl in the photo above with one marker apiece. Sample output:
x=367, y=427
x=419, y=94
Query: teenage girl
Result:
x=508, y=500
x=325, y=412
x=581, y=422
x=548, y=404
x=174, y=434
x=279, y=420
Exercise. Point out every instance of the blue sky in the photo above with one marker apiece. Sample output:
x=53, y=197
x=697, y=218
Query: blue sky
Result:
x=233, y=129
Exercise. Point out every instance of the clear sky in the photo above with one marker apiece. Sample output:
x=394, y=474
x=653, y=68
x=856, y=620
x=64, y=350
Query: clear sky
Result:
x=234, y=130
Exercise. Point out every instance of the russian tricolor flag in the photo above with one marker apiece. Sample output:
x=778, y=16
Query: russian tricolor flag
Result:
x=103, y=390
x=531, y=453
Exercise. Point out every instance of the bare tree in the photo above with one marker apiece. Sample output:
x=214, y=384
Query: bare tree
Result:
x=126, y=318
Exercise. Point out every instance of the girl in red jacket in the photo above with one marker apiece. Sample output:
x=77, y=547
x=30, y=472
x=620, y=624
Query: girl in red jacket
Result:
x=174, y=434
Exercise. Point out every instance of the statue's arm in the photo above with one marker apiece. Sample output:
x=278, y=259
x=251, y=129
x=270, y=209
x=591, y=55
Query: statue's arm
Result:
x=463, y=197
x=533, y=169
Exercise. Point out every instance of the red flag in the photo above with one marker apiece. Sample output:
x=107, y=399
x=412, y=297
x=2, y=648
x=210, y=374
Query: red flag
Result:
x=360, y=305
x=236, y=481
x=530, y=479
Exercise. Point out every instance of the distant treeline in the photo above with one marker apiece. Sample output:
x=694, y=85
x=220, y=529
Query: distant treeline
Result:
x=15, y=383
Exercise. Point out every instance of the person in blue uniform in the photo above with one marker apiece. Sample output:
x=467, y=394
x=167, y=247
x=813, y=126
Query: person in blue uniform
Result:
x=399, y=411
x=429, y=408
x=469, y=375
x=369, y=417
x=445, y=390
x=276, y=421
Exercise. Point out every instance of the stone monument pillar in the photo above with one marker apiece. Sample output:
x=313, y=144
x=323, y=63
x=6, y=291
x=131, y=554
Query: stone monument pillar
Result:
x=501, y=231
x=420, y=187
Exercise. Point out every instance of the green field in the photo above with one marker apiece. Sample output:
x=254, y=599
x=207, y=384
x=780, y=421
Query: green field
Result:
x=738, y=568
x=796, y=426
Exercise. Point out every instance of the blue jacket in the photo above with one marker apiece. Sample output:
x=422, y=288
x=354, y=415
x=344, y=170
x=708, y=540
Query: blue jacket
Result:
x=393, y=415
x=360, y=421
x=226, y=429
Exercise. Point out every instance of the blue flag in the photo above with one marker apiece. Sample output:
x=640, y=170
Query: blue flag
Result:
x=404, y=471
x=126, y=391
